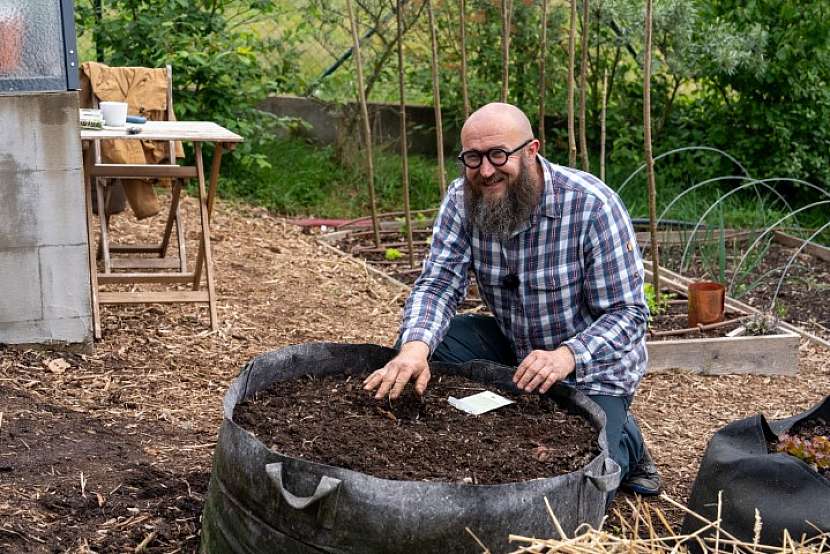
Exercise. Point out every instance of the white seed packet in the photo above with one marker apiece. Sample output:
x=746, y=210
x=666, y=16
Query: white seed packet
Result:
x=479, y=403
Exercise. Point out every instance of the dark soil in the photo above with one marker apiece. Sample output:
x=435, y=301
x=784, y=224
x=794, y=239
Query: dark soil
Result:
x=333, y=421
x=361, y=245
x=812, y=428
x=804, y=298
x=676, y=317
x=89, y=484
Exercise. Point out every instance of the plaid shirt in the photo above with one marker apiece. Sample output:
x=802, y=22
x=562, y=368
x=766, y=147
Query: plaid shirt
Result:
x=580, y=280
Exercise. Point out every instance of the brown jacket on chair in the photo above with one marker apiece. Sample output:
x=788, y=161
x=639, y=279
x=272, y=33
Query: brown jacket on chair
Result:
x=145, y=92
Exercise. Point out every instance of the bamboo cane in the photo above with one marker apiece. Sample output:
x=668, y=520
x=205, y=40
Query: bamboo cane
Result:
x=571, y=62
x=652, y=192
x=436, y=99
x=464, y=92
x=602, y=117
x=583, y=78
x=506, y=10
x=367, y=131
x=404, y=159
x=542, y=83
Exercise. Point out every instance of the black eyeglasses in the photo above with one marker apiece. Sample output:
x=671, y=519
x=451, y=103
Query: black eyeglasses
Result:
x=473, y=159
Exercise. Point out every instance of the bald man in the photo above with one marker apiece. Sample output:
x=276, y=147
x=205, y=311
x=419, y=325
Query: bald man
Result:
x=556, y=261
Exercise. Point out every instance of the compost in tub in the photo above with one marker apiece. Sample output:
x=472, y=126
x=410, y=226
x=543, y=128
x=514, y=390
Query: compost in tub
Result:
x=271, y=495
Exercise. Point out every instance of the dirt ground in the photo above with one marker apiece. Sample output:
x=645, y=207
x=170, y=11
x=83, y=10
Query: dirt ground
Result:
x=110, y=451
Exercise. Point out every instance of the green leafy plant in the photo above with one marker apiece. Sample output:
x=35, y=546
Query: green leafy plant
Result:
x=392, y=254
x=419, y=221
x=656, y=308
x=814, y=451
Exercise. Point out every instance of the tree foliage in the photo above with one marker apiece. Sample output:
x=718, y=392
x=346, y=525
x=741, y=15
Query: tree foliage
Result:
x=222, y=66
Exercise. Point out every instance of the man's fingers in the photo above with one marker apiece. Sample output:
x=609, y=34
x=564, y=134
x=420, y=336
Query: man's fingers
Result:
x=537, y=380
x=386, y=383
x=531, y=372
x=550, y=380
x=373, y=380
x=422, y=382
x=397, y=389
x=522, y=369
x=394, y=382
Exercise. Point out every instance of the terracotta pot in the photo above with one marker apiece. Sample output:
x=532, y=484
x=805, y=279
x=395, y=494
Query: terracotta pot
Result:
x=706, y=303
x=11, y=42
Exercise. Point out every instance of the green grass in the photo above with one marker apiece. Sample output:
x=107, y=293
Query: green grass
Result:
x=306, y=179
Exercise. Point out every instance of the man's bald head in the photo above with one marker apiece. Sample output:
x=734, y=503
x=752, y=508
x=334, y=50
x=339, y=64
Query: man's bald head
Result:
x=496, y=118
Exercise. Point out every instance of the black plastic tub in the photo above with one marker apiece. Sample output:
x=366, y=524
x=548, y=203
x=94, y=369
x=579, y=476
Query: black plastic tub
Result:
x=263, y=501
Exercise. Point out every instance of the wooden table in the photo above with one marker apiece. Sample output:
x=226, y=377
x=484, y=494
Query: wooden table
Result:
x=196, y=132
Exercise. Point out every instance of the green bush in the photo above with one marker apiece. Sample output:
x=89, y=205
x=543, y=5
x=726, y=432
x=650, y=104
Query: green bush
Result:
x=222, y=67
x=305, y=178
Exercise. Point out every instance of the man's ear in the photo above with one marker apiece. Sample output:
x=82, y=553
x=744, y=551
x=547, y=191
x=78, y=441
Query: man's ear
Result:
x=533, y=148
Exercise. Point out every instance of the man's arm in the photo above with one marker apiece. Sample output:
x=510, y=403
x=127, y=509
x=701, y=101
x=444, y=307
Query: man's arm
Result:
x=443, y=282
x=431, y=305
x=613, y=290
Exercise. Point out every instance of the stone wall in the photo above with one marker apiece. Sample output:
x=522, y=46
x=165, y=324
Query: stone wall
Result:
x=327, y=123
x=44, y=267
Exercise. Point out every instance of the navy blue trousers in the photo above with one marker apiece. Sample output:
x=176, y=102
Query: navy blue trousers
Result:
x=478, y=337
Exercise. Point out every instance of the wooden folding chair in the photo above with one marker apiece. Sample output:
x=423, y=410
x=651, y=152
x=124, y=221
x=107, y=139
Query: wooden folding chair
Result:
x=103, y=191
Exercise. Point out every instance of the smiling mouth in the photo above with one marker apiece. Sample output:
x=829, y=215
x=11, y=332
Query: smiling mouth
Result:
x=493, y=181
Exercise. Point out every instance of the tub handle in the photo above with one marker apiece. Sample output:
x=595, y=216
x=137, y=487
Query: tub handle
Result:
x=326, y=494
x=610, y=478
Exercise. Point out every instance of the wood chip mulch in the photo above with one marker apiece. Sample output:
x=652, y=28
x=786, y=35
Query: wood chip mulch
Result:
x=110, y=451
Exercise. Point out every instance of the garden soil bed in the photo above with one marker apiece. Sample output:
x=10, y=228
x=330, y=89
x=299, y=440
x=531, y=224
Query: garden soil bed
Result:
x=804, y=299
x=361, y=245
x=333, y=421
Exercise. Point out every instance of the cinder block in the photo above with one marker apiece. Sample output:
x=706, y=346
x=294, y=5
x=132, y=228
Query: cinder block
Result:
x=18, y=212
x=20, y=285
x=19, y=147
x=72, y=331
x=61, y=211
x=59, y=136
x=42, y=208
x=64, y=277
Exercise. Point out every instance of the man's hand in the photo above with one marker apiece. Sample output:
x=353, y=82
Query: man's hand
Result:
x=409, y=364
x=544, y=367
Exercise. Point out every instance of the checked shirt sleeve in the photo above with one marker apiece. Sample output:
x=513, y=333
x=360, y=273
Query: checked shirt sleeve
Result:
x=613, y=291
x=443, y=282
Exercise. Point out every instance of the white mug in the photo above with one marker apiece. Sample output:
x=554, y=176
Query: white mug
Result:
x=115, y=113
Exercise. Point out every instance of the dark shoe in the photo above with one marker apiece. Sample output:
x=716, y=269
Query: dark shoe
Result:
x=643, y=479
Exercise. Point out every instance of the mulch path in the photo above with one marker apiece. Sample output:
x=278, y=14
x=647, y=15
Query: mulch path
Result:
x=151, y=393
x=332, y=420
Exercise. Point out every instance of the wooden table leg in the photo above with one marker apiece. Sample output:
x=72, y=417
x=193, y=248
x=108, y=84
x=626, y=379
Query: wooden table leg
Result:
x=102, y=219
x=204, y=243
x=93, y=268
x=214, y=176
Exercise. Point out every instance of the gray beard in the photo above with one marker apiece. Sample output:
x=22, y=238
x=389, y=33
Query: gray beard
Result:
x=505, y=215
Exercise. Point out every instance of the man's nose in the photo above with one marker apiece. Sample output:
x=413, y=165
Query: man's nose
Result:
x=486, y=169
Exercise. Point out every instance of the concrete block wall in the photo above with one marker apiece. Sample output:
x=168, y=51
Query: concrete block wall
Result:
x=44, y=267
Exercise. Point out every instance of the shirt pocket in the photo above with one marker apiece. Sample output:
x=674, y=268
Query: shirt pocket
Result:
x=554, y=302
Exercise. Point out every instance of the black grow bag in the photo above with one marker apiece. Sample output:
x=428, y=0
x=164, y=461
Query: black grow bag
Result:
x=786, y=491
x=262, y=501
